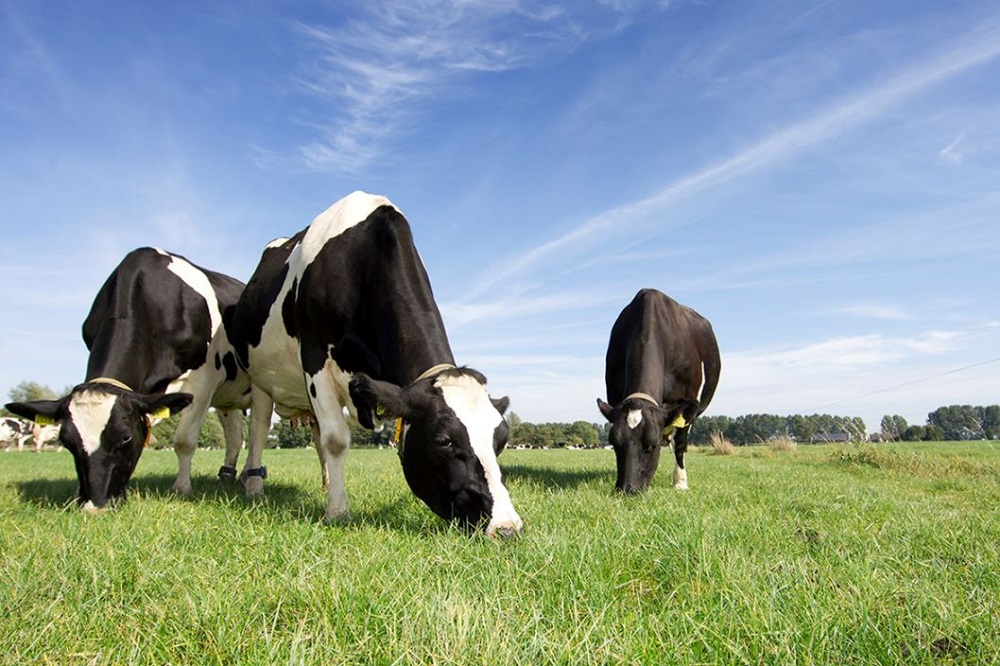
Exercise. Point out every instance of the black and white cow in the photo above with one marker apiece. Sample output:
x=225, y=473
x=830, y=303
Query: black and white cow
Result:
x=16, y=432
x=157, y=346
x=658, y=355
x=342, y=315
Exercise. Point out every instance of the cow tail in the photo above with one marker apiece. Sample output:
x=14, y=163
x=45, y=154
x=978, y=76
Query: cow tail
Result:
x=712, y=364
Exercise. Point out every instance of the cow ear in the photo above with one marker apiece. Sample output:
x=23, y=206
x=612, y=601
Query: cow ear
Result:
x=161, y=406
x=375, y=401
x=606, y=409
x=501, y=404
x=42, y=412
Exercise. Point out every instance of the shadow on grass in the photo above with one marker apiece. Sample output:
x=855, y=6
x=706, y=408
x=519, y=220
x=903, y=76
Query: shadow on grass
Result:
x=284, y=501
x=549, y=477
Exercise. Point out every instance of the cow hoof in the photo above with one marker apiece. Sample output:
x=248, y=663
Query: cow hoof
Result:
x=681, y=486
x=92, y=510
x=253, y=486
x=338, y=518
x=182, y=489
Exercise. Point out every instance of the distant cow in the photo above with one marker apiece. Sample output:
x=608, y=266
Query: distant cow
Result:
x=16, y=432
x=658, y=354
x=342, y=314
x=157, y=345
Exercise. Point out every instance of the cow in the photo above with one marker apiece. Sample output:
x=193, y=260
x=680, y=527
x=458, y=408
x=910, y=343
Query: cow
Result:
x=157, y=347
x=16, y=432
x=341, y=315
x=658, y=354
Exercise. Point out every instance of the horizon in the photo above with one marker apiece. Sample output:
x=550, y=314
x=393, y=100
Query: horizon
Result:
x=821, y=182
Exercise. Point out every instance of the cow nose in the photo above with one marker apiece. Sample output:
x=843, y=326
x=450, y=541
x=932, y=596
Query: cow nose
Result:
x=508, y=529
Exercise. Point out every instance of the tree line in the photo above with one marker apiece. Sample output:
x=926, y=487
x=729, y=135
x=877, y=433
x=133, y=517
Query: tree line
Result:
x=953, y=422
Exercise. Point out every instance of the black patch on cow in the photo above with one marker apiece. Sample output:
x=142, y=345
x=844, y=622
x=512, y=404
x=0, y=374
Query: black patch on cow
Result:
x=229, y=363
x=288, y=309
x=218, y=361
x=146, y=326
x=312, y=389
x=245, y=324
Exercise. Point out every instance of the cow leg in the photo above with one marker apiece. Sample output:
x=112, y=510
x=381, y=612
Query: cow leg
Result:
x=261, y=407
x=680, y=448
x=232, y=427
x=186, y=442
x=334, y=438
x=322, y=461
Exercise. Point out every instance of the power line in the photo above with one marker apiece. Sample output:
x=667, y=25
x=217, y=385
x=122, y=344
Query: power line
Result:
x=910, y=383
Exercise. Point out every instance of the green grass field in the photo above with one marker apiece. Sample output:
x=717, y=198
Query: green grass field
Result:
x=821, y=555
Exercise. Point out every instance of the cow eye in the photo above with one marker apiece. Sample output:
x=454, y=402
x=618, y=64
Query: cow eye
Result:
x=444, y=441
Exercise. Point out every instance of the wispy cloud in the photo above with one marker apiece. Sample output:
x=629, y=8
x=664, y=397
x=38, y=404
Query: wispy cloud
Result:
x=870, y=310
x=380, y=68
x=834, y=355
x=951, y=152
x=973, y=50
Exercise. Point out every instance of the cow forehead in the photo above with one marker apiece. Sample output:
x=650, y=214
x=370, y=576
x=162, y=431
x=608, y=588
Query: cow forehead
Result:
x=468, y=398
x=90, y=412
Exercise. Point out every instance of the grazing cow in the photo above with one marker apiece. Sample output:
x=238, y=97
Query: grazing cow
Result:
x=16, y=431
x=342, y=315
x=658, y=353
x=157, y=345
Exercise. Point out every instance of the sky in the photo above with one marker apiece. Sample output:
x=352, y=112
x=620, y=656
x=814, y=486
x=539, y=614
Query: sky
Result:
x=818, y=178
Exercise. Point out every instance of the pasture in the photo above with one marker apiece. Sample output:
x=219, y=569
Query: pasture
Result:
x=886, y=554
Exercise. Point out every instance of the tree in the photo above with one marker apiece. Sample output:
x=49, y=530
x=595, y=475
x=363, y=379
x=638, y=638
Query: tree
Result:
x=284, y=435
x=801, y=428
x=991, y=421
x=957, y=422
x=893, y=427
x=28, y=391
x=211, y=434
x=581, y=433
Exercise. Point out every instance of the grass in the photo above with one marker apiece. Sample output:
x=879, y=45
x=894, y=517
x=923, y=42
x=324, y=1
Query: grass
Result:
x=886, y=554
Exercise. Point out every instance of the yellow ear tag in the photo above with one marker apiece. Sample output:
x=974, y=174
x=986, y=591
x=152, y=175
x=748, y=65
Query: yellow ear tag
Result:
x=161, y=413
x=379, y=411
x=43, y=420
x=679, y=422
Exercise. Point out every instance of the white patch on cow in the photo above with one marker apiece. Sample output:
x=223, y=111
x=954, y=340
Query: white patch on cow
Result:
x=198, y=281
x=90, y=411
x=680, y=478
x=331, y=385
x=470, y=402
x=634, y=418
x=342, y=215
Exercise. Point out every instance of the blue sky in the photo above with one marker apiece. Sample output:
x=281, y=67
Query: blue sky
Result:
x=821, y=179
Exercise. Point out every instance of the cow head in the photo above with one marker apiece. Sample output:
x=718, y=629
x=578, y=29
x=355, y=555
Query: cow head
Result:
x=449, y=445
x=105, y=427
x=638, y=427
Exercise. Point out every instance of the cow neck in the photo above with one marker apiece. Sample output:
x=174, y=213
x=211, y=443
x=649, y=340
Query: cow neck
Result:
x=415, y=344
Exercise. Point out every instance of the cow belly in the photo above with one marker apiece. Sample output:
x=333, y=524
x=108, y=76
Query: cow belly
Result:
x=275, y=369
